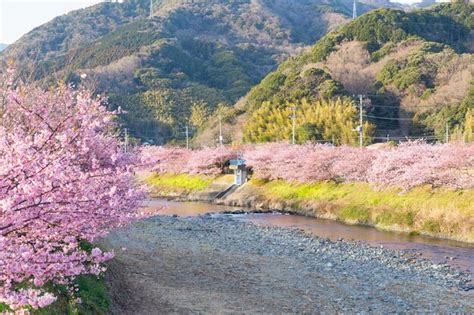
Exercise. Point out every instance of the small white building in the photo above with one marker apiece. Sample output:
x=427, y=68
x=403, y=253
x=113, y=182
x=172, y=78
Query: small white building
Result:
x=240, y=171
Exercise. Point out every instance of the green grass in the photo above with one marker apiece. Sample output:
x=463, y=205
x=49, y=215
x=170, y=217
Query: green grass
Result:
x=354, y=214
x=92, y=291
x=432, y=226
x=440, y=212
x=388, y=218
x=175, y=182
x=3, y=308
x=94, y=295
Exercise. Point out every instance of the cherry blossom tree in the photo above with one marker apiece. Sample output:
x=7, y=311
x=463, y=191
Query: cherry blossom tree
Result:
x=176, y=160
x=416, y=163
x=261, y=159
x=164, y=160
x=406, y=166
x=64, y=179
x=353, y=163
x=307, y=163
x=210, y=161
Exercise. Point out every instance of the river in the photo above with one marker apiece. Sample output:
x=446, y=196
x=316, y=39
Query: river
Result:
x=457, y=254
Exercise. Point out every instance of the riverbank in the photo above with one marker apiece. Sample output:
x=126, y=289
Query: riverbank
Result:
x=441, y=212
x=220, y=265
x=91, y=290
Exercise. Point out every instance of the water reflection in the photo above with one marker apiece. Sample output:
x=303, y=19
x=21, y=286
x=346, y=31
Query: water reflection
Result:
x=454, y=253
x=182, y=209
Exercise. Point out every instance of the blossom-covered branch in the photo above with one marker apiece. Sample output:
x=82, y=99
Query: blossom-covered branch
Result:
x=405, y=166
x=64, y=178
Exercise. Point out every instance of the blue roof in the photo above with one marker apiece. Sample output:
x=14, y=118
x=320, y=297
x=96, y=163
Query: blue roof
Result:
x=237, y=162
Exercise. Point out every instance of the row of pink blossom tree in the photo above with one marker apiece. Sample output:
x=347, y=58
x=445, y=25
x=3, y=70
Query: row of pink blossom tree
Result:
x=176, y=160
x=64, y=179
x=405, y=166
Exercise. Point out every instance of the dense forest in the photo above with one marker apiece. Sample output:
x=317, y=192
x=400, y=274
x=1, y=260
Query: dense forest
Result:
x=415, y=70
x=188, y=62
x=243, y=62
x=333, y=120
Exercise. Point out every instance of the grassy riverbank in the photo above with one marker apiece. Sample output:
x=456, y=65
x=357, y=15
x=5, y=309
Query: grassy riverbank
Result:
x=437, y=212
x=92, y=292
x=178, y=184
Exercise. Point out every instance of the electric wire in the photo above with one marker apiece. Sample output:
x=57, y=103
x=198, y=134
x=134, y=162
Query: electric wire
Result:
x=388, y=118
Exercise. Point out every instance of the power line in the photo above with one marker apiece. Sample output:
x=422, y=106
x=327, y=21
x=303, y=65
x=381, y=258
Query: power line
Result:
x=406, y=137
x=388, y=118
x=436, y=24
x=402, y=107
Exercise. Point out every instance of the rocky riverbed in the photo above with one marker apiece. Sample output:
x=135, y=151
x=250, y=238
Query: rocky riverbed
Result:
x=215, y=264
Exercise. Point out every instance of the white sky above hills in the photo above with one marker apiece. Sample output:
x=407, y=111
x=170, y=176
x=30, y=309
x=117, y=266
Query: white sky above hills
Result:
x=18, y=17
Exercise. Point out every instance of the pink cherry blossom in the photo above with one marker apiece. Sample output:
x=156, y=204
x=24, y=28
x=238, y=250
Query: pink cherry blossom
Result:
x=206, y=161
x=405, y=166
x=64, y=177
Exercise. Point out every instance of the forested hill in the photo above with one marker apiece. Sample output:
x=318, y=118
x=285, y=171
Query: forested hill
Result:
x=414, y=68
x=176, y=67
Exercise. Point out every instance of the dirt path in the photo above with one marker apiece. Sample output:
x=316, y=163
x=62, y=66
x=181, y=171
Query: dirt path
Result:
x=208, y=265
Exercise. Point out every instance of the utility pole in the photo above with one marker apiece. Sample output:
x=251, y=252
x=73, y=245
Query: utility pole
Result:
x=293, y=129
x=447, y=132
x=361, y=122
x=354, y=10
x=221, y=138
x=187, y=137
x=126, y=140
x=151, y=9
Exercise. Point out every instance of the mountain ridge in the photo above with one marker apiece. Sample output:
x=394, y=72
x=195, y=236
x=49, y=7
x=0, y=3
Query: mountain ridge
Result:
x=416, y=69
x=177, y=67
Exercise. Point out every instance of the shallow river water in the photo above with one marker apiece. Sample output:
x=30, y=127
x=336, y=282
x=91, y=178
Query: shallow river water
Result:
x=454, y=253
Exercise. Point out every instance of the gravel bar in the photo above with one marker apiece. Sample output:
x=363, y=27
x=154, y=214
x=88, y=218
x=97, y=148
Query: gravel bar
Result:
x=214, y=264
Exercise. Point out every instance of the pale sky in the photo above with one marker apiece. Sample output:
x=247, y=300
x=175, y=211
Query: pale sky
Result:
x=18, y=17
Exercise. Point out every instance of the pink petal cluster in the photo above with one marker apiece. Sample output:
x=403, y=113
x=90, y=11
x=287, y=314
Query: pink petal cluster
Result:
x=209, y=161
x=405, y=166
x=309, y=162
x=175, y=160
x=63, y=178
x=413, y=164
x=165, y=159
